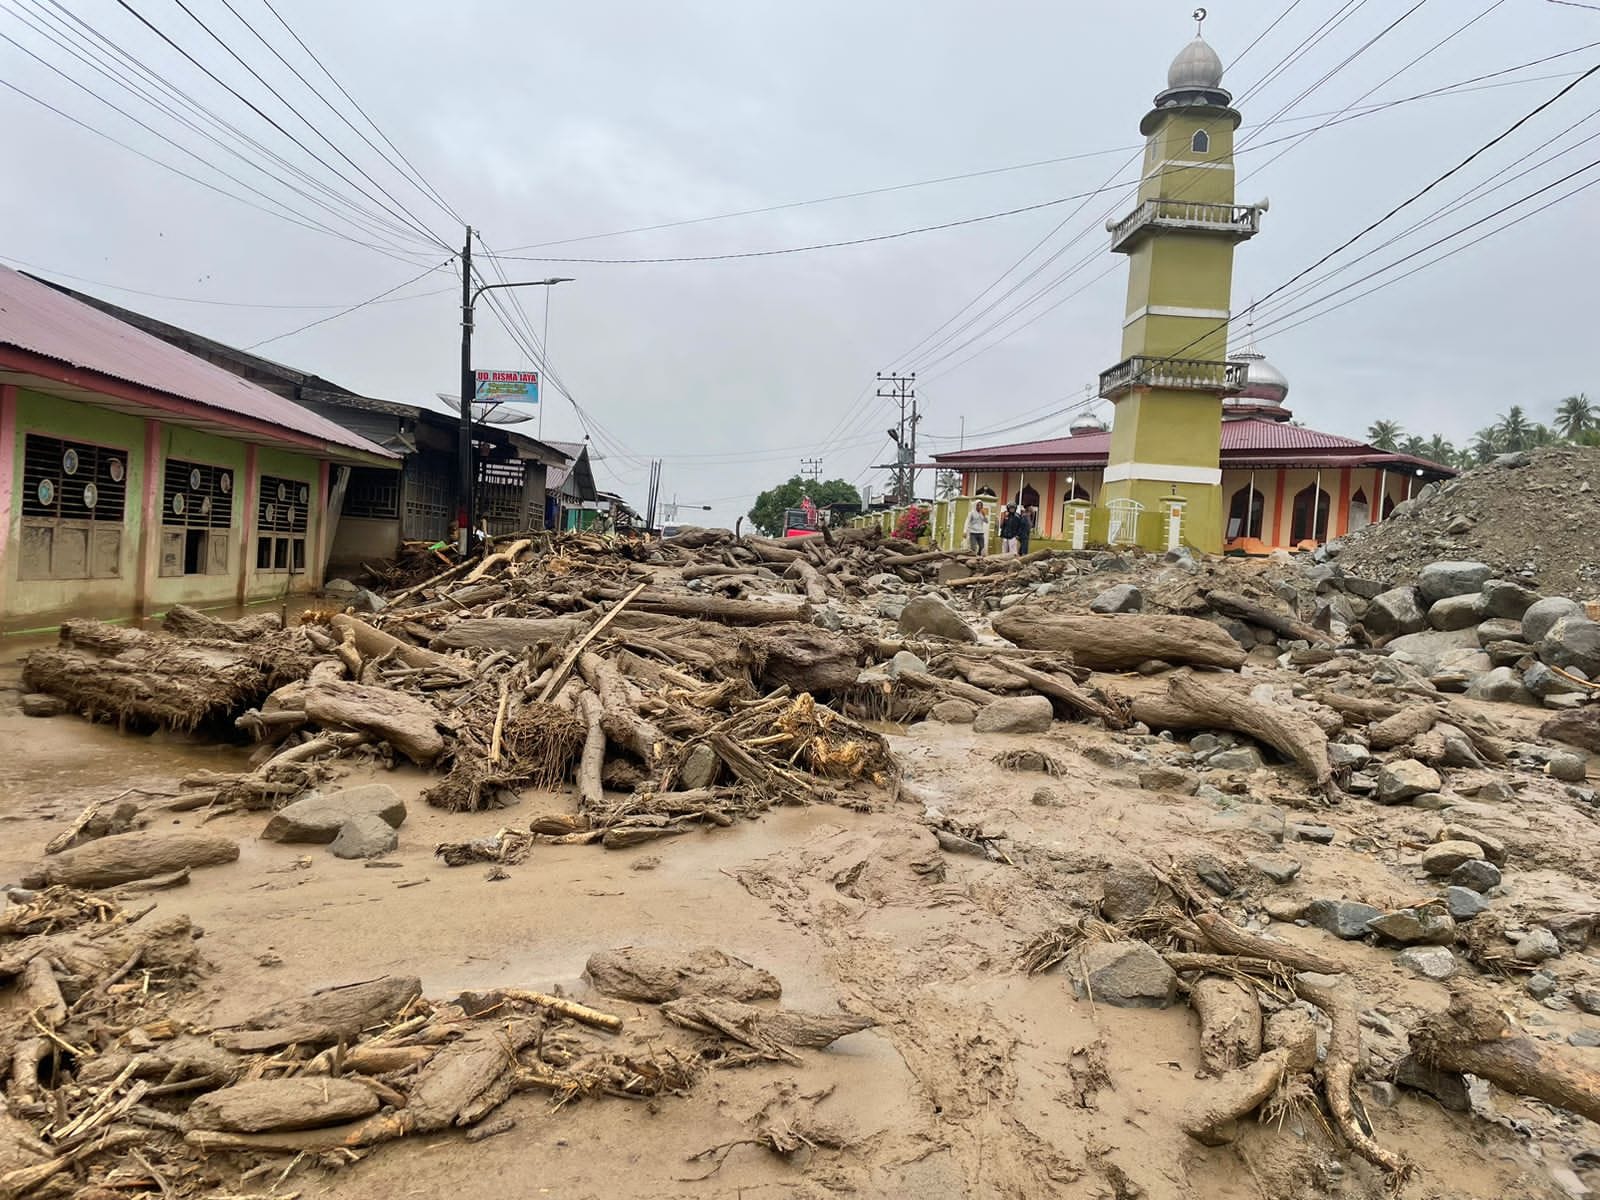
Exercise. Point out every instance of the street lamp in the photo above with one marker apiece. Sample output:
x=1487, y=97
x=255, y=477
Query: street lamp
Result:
x=469, y=300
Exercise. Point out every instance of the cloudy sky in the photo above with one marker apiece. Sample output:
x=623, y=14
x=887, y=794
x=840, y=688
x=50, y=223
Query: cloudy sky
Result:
x=568, y=127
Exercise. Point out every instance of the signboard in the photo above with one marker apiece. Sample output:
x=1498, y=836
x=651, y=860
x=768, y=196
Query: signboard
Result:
x=503, y=387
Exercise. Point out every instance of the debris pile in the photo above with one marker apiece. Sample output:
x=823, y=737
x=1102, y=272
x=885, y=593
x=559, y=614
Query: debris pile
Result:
x=1531, y=516
x=108, y=1086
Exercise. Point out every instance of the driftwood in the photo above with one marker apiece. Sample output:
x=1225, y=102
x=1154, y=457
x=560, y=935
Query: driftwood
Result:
x=125, y=857
x=1059, y=687
x=1122, y=641
x=803, y=658
x=1227, y=937
x=1211, y=1119
x=500, y=558
x=1231, y=604
x=344, y=1011
x=1230, y=1023
x=263, y=1105
x=408, y=724
x=559, y=675
x=656, y=975
x=591, y=788
x=516, y=634
x=1396, y=730
x=713, y=608
x=1191, y=703
x=1474, y=1037
x=623, y=726
x=434, y=581
x=769, y=1032
x=1339, y=1072
x=99, y=819
x=373, y=643
x=183, y=621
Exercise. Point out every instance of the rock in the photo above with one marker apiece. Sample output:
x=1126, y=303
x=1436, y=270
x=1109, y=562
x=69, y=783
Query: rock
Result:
x=1502, y=684
x=1362, y=783
x=1573, y=643
x=297, y=1102
x=1277, y=868
x=656, y=975
x=318, y=819
x=891, y=608
x=1497, y=629
x=1441, y=580
x=1442, y=858
x=1347, y=754
x=341, y=590
x=1124, y=598
x=1507, y=599
x=1424, y=925
x=954, y=712
x=1425, y=650
x=827, y=617
x=1345, y=919
x=1447, y=1087
x=1585, y=1039
x=1588, y=999
x=1127, y=975
x=1544, y=682
x=1213, y=874
x=1384, y=1095
x=42, y=704
x=1240, y=758
x=1508, y=654
x=1572, y=930
x=1015, y=714
x=1394, y=612
x=1321, y=835
x=1569, y=768
x=931, y=615
x=1512, y=460
x=1404, y=778
x=1541, y=617
x=1431, y=962
x=1464, y=903
x=1366, y=589
x=1458, y=612
x=1580, y=727
x=364, y=835
x=1206, y=743
x=1457, y=670
x=1169, y=779
x=699, y=769
x=1128, y=892
x=1536, y=946
x=1477, y=874
x=1046, y=797
x=1267, y=820
x=906, y=663
x=1541, y=985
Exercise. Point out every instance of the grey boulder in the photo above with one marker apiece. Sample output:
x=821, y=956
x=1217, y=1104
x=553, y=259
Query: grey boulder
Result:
x=1502, y=684
x=1439, y=580
x=1542, y=615
x=1464, y=903
x=1425, y=925
x=1508, y=599
x=1458, y=612
x=1126, y=975
x=1430, y=962
x=929, y=614
x=1442, y=858
x=1404, y=778
x=1425, y=650
x=1573, y=642
x=1394, y=612
x=318, y=819
x=1477, y=874
x=365, y=835
x=1015, y=714
x=1345, y=919
x=1536, y=946
x=1124, y=598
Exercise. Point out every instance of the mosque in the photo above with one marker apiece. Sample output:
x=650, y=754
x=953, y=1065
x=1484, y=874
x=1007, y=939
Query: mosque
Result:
x=1202, y=450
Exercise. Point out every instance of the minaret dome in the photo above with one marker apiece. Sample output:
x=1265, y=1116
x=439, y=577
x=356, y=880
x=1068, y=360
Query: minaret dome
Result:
x=1197, y=66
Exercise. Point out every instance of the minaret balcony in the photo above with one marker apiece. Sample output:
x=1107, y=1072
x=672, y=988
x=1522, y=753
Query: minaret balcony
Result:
x=1236, y=222
x=1179, y=374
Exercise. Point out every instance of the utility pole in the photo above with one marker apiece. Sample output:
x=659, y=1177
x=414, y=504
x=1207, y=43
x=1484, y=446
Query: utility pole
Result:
x=468, y=390
x=811, y=468
x=902, y=389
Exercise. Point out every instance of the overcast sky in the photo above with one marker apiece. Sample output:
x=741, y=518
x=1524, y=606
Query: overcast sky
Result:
x=541, y=122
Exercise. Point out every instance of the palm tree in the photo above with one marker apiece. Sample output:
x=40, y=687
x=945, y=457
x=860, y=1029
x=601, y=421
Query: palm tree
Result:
x=1438, y=450
x=1414, y=446
x=1515, y=431
x=1384, y=434
x=1575, y=416
x=946, y=485
x=1485, y=445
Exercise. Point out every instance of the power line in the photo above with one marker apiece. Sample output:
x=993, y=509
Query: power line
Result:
x=372, y=224
x=278, y=337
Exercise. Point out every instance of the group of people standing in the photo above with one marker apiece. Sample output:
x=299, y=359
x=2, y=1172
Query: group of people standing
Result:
x=1016, y=527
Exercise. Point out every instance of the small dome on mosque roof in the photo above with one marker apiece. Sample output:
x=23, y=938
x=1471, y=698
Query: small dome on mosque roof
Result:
x=1086, y=424
x=1197, y=66
x=1263, y=381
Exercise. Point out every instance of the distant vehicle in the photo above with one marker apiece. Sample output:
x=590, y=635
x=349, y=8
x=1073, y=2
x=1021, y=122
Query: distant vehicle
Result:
x=670, y=531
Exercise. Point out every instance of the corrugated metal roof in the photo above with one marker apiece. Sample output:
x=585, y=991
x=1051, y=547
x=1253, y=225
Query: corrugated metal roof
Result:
x=1246, y=442
x=41, y=320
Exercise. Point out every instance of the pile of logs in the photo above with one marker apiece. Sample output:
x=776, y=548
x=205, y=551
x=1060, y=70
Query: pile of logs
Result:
x=104, y=1089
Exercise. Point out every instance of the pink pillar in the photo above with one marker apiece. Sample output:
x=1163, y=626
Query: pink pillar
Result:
x=8, y=454
x=147, y=567
x=318, y=566
x=251, y=484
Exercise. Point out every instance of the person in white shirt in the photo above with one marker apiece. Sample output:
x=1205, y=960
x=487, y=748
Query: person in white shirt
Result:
x=978, y=528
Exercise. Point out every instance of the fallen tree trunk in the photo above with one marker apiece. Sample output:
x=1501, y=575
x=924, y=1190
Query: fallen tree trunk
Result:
x=1230, y=1023
x=373, y=643
x=347, y=1010
x=769, y=1032
x=125, y=857
x=1473, y=1037
x=1211, y=1119
x=1339, y=1072
x=1059, y=687
x=1193, y=704
x=591, y=766
x=1121, y=641
x=506, y=557
x=802, y=657
x=516, y=634
x=1231, y=604
x=185, y=622
x=621, y=723
x=712, y=608
x=816, y=591
x=1401, y=727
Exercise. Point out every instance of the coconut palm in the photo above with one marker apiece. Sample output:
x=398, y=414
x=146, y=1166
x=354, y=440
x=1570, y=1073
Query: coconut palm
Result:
x=1439, y=450
x=1384, y=435
x=1575, y=416
x=1515, y=431
x=946, y=484
x=1486, y=444
x=1415, y=446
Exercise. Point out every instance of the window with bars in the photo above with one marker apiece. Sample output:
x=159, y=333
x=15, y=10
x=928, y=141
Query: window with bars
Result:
x=373, y=494
x=196, y=518
x=282, y=514
x=74, y=502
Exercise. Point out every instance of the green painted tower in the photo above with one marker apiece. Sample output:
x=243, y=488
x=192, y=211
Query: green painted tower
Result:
x=1168, y=388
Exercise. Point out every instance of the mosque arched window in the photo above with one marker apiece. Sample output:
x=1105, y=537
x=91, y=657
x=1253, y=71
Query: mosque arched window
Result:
x=1201, y=142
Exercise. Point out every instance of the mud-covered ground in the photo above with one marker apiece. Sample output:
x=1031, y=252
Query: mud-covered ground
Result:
x=978, y=1080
